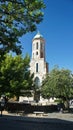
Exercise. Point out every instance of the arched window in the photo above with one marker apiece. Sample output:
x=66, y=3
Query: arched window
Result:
x=41, y=46
x=37, y=45
x=37, y=81
x=37, y=53
x=36, y=67
x=41, y=54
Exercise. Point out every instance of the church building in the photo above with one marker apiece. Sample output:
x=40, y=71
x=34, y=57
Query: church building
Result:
x=38, y=64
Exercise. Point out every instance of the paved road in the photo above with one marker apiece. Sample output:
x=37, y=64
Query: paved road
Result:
x=32, y=124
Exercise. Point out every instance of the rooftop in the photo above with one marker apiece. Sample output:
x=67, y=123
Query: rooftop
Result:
x=38, y=35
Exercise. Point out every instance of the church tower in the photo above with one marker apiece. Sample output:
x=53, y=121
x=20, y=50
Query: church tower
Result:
x=38, y=65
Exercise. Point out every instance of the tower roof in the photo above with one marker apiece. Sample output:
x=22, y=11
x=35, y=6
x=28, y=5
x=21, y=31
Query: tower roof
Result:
x=38, y=35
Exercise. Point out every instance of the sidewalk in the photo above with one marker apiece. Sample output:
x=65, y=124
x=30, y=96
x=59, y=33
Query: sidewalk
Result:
x=33, y=117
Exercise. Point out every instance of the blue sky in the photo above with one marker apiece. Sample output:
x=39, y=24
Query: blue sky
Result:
x=57, y=30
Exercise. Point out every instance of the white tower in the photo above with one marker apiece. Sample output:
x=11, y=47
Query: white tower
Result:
x=38, y=66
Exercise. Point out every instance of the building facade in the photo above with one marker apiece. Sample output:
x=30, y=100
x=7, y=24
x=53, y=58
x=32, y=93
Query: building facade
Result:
x=38, y=64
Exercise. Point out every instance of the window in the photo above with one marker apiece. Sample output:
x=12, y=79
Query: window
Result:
x=36, y=53
x=41, y=55
x=42, y=46
x=36, y=67
x=37, y=45
x=37, y=81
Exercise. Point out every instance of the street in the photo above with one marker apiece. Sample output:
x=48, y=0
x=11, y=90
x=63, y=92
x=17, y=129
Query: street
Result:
x=8, y=124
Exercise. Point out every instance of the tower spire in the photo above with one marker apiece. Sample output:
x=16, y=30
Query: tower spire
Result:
x=38, y=32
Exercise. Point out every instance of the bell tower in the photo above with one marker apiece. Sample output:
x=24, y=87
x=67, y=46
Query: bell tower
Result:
x=38, y=47
x=38, y=65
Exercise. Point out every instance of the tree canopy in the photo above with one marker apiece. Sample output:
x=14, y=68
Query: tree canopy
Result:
x=59, y=84
x=17, y=17
x=15, y=75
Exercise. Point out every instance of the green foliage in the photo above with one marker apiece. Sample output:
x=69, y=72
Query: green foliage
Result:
x=15, y=75
x=59, y=84
x=17, y=17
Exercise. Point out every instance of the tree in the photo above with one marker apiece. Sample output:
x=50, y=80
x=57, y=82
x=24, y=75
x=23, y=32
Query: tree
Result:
x=15, y=75
x=17, y=17
x=59, y=84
